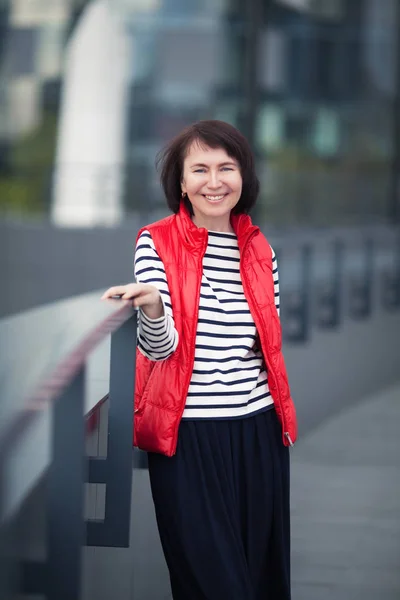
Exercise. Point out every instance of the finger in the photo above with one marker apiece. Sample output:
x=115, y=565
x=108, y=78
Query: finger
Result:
x=113, y=291
x=108, y=293
x=132, y=293
x=136, y=289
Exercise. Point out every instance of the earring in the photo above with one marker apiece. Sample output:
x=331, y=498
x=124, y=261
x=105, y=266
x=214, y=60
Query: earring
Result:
x=183, y=195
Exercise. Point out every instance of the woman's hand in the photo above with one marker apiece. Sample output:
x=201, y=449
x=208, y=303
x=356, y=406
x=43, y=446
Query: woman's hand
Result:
x=143, y=295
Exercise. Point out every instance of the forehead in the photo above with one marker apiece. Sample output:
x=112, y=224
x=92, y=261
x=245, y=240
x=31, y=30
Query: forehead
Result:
x=200, y=153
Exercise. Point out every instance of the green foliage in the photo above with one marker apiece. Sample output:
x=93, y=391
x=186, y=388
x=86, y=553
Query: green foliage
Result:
x=24, y=187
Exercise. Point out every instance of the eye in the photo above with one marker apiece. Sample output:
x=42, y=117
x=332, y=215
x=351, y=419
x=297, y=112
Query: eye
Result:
x=227, y=169
x=199, y=171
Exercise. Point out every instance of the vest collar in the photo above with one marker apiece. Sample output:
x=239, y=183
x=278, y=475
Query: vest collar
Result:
x=194, y=238
x=197, y=237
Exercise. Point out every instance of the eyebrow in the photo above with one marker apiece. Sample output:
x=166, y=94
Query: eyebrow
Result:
x=224, y=164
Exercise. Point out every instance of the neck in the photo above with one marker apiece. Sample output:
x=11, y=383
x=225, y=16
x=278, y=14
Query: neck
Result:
x=223, y=225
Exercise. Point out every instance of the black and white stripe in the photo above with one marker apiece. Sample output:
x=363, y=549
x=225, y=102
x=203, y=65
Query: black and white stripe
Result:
x=157, y=338
x=229, y=379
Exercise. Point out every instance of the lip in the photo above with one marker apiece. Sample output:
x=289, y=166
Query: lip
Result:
x=215, y=201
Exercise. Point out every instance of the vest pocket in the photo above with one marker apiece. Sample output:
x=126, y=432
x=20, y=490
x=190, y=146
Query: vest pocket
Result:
x=275, y=330
x=152, y=378
x=139, y=405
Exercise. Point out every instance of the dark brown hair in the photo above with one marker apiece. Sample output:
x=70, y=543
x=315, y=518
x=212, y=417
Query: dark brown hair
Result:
x=214, y=134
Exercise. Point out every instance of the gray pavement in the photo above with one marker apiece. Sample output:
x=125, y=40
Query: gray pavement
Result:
x=346, y=505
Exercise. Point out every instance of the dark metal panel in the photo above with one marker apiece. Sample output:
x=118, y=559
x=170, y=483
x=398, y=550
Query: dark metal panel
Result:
x=59, y=578
x=329, y=293
x=34, y=576
x=116, y=470
x=98, y=469
x=140, y=459
x=390, y=282
x=296, y=304
x=9, y=569
x=360, y=288
x=65, y=522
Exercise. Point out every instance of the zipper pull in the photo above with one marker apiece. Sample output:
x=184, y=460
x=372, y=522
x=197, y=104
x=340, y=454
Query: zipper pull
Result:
x=289, y=439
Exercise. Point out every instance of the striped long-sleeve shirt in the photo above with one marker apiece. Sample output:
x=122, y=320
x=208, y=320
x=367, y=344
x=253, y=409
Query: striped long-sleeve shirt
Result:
x=229, y=378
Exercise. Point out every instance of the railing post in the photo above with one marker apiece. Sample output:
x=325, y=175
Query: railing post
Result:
x=360, y=288
x=329, y=293
x=390, y=281
x=116, y=469
x=8, y=574
x=296, y=303
x=65, y=512
x=59, y=578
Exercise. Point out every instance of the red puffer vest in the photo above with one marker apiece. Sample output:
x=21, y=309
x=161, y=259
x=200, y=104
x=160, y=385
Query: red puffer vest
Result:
x=161, y=386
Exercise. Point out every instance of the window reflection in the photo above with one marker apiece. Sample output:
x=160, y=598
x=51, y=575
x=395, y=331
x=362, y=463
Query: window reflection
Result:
x=324, y=103
x=326, y=113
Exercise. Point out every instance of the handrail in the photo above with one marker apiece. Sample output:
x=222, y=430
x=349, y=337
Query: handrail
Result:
x=50, y=378
x=44, y=354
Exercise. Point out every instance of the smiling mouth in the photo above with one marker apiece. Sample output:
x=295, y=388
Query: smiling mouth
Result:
x=214, y=198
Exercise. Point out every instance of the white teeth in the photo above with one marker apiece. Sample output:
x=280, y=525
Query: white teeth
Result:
x=215, y=197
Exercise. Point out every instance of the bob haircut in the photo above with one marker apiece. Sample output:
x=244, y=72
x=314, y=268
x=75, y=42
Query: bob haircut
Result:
x=214, y=134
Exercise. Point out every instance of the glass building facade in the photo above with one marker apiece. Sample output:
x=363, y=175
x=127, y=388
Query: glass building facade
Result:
x=90, y=91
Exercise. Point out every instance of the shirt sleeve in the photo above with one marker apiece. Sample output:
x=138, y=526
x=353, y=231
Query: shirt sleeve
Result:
x=157, y=338
x=275, y=275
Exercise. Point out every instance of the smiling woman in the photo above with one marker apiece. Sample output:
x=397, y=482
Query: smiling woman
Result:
x=214, y=154
x=212, y=182
x=212, y=402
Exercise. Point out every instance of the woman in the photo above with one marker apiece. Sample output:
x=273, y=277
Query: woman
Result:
x=212, y=401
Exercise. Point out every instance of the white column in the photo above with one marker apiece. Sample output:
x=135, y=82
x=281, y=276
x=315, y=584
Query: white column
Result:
x=88, y=180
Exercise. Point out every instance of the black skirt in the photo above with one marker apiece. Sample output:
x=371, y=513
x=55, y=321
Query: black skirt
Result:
x=222, y=507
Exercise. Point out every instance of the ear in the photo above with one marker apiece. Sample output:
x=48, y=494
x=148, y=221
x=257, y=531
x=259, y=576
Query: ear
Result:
x=183, y=187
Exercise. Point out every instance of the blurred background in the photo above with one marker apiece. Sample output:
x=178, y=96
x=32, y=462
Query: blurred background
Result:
x=90, y=91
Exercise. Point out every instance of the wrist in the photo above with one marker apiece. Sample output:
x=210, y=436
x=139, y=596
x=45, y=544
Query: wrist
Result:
x=154, y=311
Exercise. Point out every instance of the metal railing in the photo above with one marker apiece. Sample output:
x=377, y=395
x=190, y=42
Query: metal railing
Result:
x=44, y=384
x=52, y=376
x=336, y=276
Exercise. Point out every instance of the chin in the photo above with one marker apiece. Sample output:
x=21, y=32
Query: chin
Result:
x=218, y=210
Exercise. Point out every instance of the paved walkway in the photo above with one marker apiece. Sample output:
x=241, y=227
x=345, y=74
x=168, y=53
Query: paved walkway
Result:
x=345, y=517
x=346, y=505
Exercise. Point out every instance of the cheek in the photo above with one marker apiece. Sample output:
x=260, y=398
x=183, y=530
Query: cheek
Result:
x=192, y=184
x=238, y=185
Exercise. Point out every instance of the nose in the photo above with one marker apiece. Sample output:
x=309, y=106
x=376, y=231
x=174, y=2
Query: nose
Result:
x=214, y=182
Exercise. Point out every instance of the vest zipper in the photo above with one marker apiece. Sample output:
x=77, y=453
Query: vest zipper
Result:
x=289, y=439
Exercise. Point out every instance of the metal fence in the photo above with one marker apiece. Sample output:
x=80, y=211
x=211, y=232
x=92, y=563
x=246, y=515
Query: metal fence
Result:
x=44, y=385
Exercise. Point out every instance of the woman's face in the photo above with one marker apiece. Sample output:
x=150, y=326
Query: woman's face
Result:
x=213, y=183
